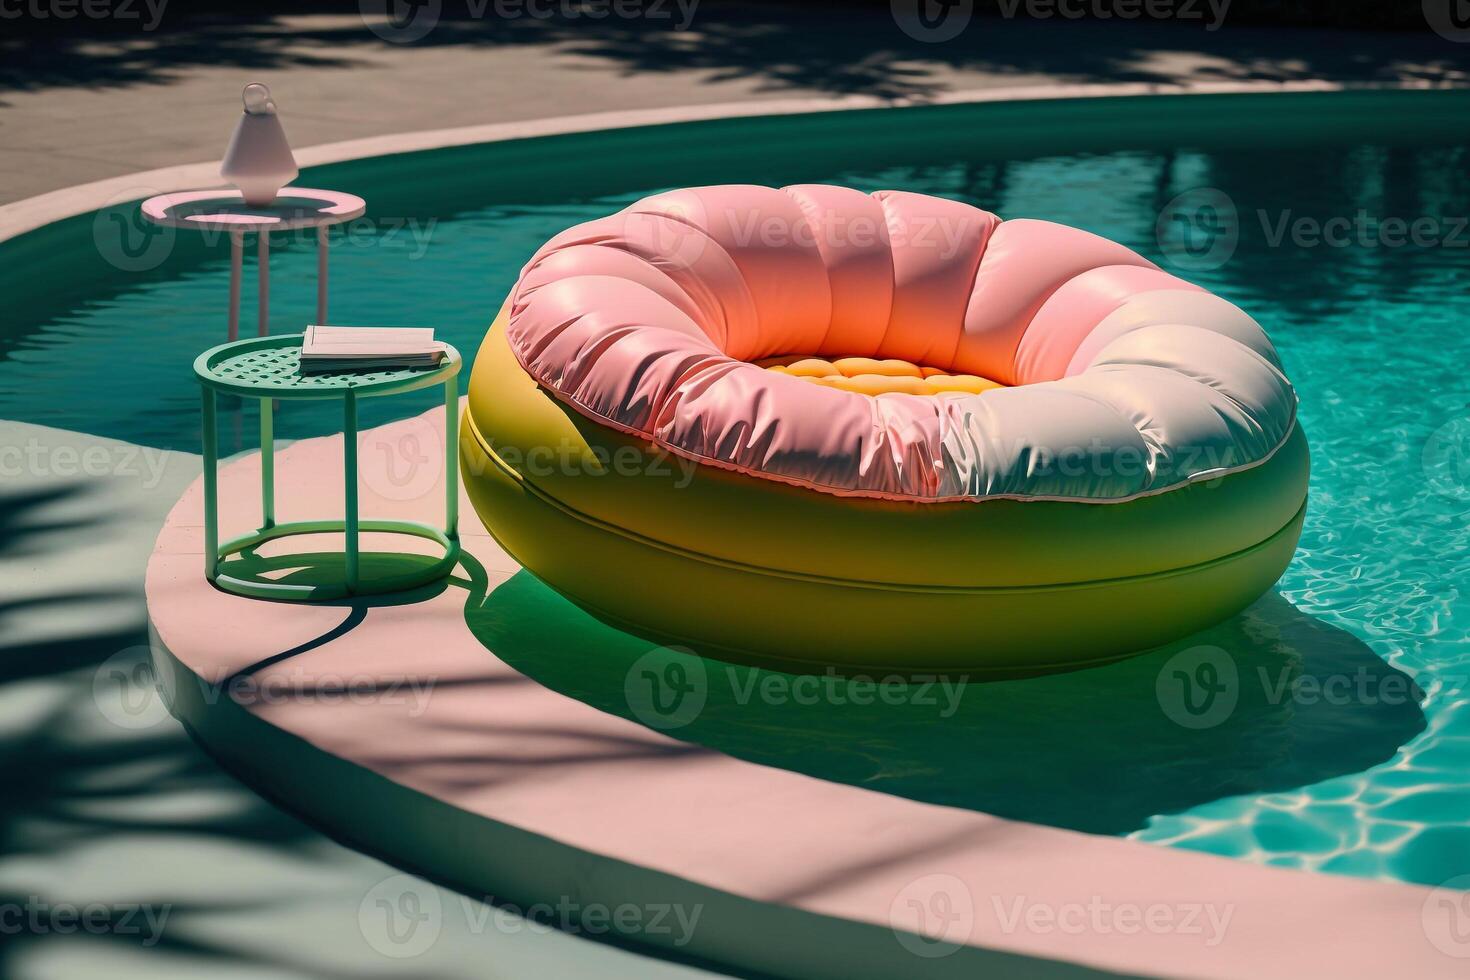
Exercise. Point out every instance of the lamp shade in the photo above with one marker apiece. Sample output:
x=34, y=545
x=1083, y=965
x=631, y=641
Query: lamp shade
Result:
x=259, y=160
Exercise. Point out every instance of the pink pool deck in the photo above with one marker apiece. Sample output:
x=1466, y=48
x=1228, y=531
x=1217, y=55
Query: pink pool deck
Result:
x=397, y=730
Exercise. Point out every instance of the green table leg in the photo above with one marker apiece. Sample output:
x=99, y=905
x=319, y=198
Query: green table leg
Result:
x=451, y=458
x=349, y=466
x=211, y=490
x=267, y=463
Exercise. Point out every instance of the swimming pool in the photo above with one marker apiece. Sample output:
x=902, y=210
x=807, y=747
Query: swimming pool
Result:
x=1346, y=746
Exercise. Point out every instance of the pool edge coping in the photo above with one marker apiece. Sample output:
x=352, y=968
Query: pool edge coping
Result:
x=29, y=214
x=1279, y=920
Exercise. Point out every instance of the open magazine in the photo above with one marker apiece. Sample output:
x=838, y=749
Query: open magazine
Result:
x=333, y=349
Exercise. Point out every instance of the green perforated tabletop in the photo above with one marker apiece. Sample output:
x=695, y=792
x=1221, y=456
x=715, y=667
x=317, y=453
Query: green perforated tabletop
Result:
x=270, y=367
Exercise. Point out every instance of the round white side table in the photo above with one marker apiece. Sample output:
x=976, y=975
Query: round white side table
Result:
x=226, y=211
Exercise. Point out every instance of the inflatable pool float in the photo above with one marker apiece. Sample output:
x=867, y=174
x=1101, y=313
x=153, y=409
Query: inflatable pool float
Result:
x=818, y=429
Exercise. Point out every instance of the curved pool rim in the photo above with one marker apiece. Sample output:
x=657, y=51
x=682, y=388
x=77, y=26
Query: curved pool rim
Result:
x=32, y=213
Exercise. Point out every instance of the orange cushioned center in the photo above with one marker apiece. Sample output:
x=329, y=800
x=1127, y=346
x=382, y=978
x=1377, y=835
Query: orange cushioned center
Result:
x=869, y=376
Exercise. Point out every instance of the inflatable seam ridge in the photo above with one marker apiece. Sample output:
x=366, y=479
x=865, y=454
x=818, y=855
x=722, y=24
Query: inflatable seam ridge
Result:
x=532, y=487
x=801, y=201
x=888, y=219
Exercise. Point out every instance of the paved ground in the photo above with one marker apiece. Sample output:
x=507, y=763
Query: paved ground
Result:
x=89, y=107
x=107, y=804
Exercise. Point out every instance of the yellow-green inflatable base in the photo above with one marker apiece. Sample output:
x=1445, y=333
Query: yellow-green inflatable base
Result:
x=757, y=571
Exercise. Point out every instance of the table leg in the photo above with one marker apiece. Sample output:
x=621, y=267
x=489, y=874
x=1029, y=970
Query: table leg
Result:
x=263, y=276
x=451, y=457
x=349, y=467
x=211, y=489
x=321, y=274
x=237, y=260
x=267, y=463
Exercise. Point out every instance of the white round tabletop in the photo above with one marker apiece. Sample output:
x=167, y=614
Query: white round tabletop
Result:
x=226, y=210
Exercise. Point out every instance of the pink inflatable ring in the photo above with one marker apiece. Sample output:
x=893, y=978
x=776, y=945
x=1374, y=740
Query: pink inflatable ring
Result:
x=881, y=431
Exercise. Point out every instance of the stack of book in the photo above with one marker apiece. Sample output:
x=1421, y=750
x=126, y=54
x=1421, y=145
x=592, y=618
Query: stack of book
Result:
x=327, y=350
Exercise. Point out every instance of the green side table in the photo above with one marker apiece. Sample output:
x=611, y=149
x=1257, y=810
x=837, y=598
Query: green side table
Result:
x=268, y=369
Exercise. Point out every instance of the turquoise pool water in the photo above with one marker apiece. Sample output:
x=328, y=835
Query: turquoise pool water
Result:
x=1347, y=746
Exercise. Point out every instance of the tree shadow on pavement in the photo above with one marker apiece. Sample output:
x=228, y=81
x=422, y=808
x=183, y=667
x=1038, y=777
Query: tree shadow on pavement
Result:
x=817, y=48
